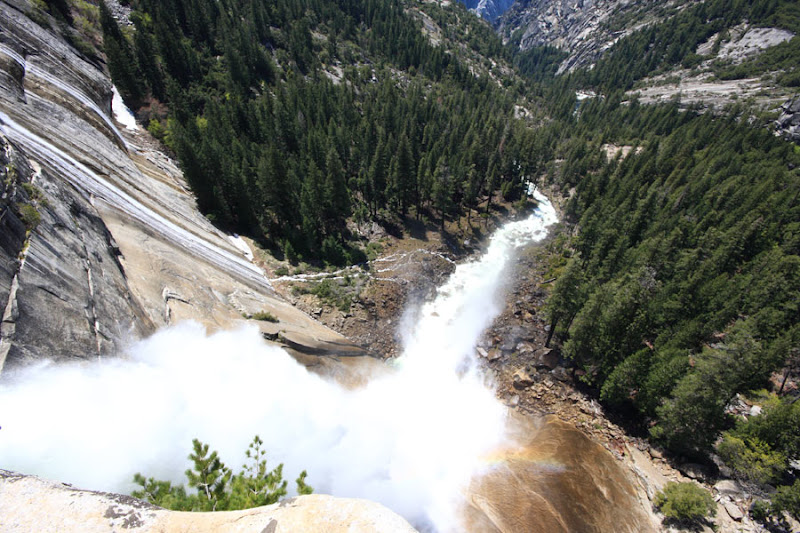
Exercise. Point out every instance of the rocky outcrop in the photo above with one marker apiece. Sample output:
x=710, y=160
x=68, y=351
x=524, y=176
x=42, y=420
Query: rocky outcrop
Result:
x=743, y=42
x=64, y=290
x=119, y=248
x=788, y=123
x=583, y=28
x=59, y=507
x=700, y=87
x=488, y=9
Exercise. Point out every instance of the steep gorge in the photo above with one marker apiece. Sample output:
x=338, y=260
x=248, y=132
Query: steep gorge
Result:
x=104, y=246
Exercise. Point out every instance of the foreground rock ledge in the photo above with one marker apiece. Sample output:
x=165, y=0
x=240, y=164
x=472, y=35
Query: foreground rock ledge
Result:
x=33, y=504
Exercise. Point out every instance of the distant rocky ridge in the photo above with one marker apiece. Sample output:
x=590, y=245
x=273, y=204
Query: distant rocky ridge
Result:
x=34, y=504
x=583, y=28
x=101, y=242
x=488, y=9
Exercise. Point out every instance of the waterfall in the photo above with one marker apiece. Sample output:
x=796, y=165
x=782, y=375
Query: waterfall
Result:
x=410, y=439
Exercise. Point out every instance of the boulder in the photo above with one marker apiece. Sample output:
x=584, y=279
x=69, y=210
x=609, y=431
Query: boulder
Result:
x=733, y=510
x=693, y=470
x=728, y=487
x=522, y=380
x=549, y=358
x=788, y=123
x=494, y=354
x=34, y=504
x=655, y=453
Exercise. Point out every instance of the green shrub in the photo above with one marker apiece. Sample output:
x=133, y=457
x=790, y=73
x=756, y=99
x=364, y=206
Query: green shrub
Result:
x=156, y=129
x=787, y=498
x=751, y=458
x=264, y=316
x=374, y=250
x=685, y=502
x=760, y=510
x=329, y=292
x=29, y=215
x=31, y=190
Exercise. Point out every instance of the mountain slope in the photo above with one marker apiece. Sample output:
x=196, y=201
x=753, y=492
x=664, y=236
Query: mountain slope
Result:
x=711, y=53
x=584, y=30
x=289, y=127
x=91, y=212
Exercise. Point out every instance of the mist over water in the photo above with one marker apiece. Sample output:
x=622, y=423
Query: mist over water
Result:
x=410, y=440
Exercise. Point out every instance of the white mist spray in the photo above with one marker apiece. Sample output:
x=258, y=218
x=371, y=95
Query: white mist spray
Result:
x=410, y=440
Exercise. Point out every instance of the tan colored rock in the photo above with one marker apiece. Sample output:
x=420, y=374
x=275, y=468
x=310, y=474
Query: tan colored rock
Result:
x=34, y=504
x=522, y=380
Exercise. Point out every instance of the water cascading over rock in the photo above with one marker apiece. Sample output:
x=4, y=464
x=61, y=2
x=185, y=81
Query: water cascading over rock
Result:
x=120, y=251
x=429, y=439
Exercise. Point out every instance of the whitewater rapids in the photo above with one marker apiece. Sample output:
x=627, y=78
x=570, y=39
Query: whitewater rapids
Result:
x=411, y=440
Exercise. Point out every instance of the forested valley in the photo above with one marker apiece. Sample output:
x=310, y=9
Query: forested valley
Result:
x=291, y=117
x=678, y=261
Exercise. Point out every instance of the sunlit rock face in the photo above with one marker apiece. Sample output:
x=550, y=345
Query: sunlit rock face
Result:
x=63, y=508
x=553, y=478
x=579, y=28
x=120, y=249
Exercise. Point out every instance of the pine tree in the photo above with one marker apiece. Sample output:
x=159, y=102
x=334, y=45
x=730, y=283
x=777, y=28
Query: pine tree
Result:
x=209, y=476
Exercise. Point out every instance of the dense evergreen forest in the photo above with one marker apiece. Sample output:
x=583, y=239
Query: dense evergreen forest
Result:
x=290, y=117
x=680, y=287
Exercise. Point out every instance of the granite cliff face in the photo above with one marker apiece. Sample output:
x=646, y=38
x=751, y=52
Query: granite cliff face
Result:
x=488, y=9
x=63, y=508
x=100, y=239
x=63, y=287
x=583, y=28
